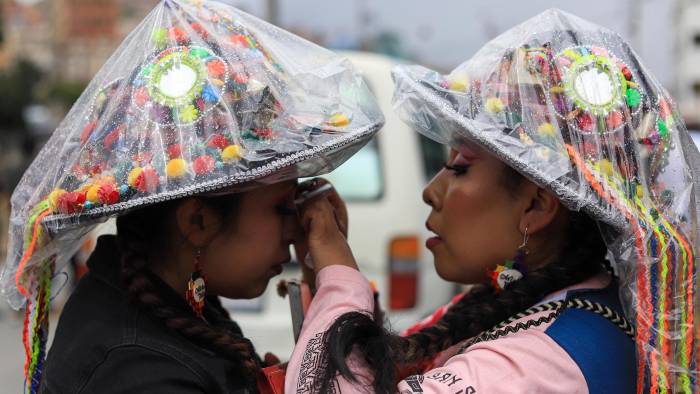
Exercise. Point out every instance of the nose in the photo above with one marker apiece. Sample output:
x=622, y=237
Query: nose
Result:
x=432, y=194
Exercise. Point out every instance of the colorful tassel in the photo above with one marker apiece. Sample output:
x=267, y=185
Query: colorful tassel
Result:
x=657, y=237
x=38, y=294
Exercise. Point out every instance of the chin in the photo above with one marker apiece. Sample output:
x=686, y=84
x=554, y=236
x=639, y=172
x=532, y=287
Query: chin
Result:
x=448, y=276
x=444, y=267
x=252, y=290
x=452, y=272
x=258, y=288
x=446, y=273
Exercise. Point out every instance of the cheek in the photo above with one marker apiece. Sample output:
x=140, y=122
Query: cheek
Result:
x=238, y=262
x=474, y=221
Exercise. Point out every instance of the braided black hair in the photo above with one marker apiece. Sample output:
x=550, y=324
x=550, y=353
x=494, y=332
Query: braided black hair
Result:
x=140, y=233
x=582, y=257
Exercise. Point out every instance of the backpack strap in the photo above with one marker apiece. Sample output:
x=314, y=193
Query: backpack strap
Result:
x=557, y=309
x=592, y=330
x=604, y=352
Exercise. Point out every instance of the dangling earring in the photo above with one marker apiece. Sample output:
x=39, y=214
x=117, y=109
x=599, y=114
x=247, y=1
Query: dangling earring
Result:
x=511, y=270
x=196, y=287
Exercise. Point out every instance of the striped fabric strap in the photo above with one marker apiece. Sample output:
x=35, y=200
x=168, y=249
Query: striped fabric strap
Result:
x=556, y=307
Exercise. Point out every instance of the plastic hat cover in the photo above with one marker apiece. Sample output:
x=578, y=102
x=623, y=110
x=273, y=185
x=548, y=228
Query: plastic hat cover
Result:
x=199, y=97
x=569, y=105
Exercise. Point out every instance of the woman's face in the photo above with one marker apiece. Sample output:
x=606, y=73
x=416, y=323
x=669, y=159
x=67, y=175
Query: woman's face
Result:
x=475, y=218
x=243, y=257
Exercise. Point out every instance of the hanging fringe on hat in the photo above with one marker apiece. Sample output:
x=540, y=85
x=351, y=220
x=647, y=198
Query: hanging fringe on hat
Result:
x=35, y=329
x=40, y=329
x=657, y=238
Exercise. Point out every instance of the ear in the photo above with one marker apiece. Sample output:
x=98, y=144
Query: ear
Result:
x=542, y=209
x=197, y=223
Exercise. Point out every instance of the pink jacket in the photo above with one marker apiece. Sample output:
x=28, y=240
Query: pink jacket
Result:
x=527, y=361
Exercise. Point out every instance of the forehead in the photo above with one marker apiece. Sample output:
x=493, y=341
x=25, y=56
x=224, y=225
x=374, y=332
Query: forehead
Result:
x=279, y=189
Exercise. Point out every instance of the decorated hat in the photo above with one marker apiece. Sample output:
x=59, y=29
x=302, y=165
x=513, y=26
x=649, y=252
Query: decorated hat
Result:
x=200, y=97
x=569, y=105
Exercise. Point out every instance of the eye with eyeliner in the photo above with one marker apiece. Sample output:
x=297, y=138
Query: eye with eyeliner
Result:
x=458, y=165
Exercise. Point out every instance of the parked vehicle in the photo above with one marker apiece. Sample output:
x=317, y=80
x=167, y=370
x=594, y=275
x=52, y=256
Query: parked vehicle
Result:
x=382, y=186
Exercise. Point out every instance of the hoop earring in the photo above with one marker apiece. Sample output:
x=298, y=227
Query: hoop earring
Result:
x=512, y=270
x=196, y=287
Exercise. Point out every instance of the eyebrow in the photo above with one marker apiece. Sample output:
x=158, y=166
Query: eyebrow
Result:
x=467, y=150
x=460, y=141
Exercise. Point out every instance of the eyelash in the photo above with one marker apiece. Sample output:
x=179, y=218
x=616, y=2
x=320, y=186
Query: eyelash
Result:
x=457, y=169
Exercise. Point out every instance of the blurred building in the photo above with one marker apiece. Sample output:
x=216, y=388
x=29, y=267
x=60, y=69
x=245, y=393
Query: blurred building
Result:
x=83, y=37
x=70, y=39
x=26, y=33
x=688, y=59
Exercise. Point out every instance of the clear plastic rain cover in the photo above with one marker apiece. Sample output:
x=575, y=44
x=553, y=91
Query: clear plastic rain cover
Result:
x=199, y=97
x=569, y=105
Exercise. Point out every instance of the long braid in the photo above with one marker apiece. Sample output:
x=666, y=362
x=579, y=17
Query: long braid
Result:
x=582, y=258
x=221, y=335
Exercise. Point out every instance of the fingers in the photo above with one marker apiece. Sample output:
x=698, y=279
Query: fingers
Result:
x=319, y=187
x=323, y=216
x=340, y=209
x=318, y=218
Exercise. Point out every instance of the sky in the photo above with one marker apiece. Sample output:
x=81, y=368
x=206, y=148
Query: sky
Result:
x=444, y=33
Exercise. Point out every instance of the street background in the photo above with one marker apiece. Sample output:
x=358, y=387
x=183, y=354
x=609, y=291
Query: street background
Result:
x=50, y=49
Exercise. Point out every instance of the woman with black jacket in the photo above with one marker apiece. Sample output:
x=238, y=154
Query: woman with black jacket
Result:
x=194, y=134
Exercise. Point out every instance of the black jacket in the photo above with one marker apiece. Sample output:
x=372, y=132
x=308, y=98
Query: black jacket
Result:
x=104, y=344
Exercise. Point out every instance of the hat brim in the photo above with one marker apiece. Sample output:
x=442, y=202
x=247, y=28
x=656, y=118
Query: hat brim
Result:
x=439, y=109
x=310, y=162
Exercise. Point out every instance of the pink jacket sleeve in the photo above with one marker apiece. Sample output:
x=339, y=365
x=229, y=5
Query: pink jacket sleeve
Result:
x=339, y=290
x=523, y=362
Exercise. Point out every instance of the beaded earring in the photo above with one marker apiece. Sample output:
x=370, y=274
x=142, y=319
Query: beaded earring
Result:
x=511, y=270
x=196, y=287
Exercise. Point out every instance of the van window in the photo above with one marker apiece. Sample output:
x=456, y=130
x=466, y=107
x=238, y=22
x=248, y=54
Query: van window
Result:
x=434, y=155
x=360, y=178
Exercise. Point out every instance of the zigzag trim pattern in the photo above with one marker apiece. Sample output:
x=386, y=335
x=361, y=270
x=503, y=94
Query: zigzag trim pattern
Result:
x=507, y=327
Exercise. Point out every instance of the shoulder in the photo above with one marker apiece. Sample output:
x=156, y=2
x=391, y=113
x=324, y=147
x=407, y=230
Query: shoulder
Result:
x=138, y=368
x=115, y=345
x=603, y=352
x=524, y=359
x=538, y=349
x=126, y=369
x=521, y=362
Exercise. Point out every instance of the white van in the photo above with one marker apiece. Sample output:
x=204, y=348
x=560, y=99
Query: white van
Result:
x=382, y=186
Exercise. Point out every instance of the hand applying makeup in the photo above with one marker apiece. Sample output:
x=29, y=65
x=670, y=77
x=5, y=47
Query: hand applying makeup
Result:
x=325, y=221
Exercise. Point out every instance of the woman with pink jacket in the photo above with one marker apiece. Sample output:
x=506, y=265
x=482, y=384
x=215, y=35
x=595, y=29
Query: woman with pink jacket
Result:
x=568, y=199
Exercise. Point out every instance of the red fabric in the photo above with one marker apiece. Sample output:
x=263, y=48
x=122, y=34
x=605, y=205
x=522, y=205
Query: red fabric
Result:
x=432, y=319
x=271, y=380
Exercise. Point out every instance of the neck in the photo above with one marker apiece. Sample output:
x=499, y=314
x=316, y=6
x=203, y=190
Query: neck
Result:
x=175, y=271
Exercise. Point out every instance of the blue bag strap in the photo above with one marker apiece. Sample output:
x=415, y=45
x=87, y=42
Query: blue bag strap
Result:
x=603, y=352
